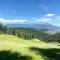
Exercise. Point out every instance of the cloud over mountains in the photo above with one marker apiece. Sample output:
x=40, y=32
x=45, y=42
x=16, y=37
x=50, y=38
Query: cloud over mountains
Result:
x=44, y=19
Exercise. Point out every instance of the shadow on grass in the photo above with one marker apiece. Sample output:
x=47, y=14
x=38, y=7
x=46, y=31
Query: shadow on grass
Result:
x=8, y=55
x=48, y=54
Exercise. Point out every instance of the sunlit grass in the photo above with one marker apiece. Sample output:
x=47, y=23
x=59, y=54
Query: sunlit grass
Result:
x=13, y=43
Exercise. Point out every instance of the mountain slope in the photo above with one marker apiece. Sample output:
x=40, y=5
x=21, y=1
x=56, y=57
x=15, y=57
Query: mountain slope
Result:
x=39, y=26
x=26, y=49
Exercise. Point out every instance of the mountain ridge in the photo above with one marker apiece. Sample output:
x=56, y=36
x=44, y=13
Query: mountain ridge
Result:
x=39, y=26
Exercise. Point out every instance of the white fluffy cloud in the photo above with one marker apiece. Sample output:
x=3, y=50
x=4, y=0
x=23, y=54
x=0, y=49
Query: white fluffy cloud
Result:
x=36, y=21
x=5, y=21
x=50, y=15
x=44, y=19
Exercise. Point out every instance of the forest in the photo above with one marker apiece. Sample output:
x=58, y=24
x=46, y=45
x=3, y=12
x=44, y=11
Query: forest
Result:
x=30, y=33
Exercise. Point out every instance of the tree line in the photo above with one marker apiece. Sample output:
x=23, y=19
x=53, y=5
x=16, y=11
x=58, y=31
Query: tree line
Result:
x=30, y=33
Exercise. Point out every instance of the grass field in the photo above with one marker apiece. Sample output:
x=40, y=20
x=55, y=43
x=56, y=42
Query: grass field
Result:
x=14, y=48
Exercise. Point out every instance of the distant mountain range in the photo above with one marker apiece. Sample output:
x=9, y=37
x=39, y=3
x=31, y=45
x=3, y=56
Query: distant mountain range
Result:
x=39, y=26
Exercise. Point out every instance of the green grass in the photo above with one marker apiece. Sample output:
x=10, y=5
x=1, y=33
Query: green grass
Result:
x=27, y=49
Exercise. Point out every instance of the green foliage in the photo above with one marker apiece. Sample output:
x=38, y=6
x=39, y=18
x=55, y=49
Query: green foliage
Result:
x=3, y=28
x=30, y=33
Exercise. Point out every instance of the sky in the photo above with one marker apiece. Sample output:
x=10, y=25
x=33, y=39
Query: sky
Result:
x=30, y=11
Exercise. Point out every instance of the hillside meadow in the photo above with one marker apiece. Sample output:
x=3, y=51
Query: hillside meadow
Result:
x=14, y=48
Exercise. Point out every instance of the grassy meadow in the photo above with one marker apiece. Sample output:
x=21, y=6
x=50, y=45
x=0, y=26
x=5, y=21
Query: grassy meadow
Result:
x=14, y=48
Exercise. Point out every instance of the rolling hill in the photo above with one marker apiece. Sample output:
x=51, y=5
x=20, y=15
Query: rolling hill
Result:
x=14, y=48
